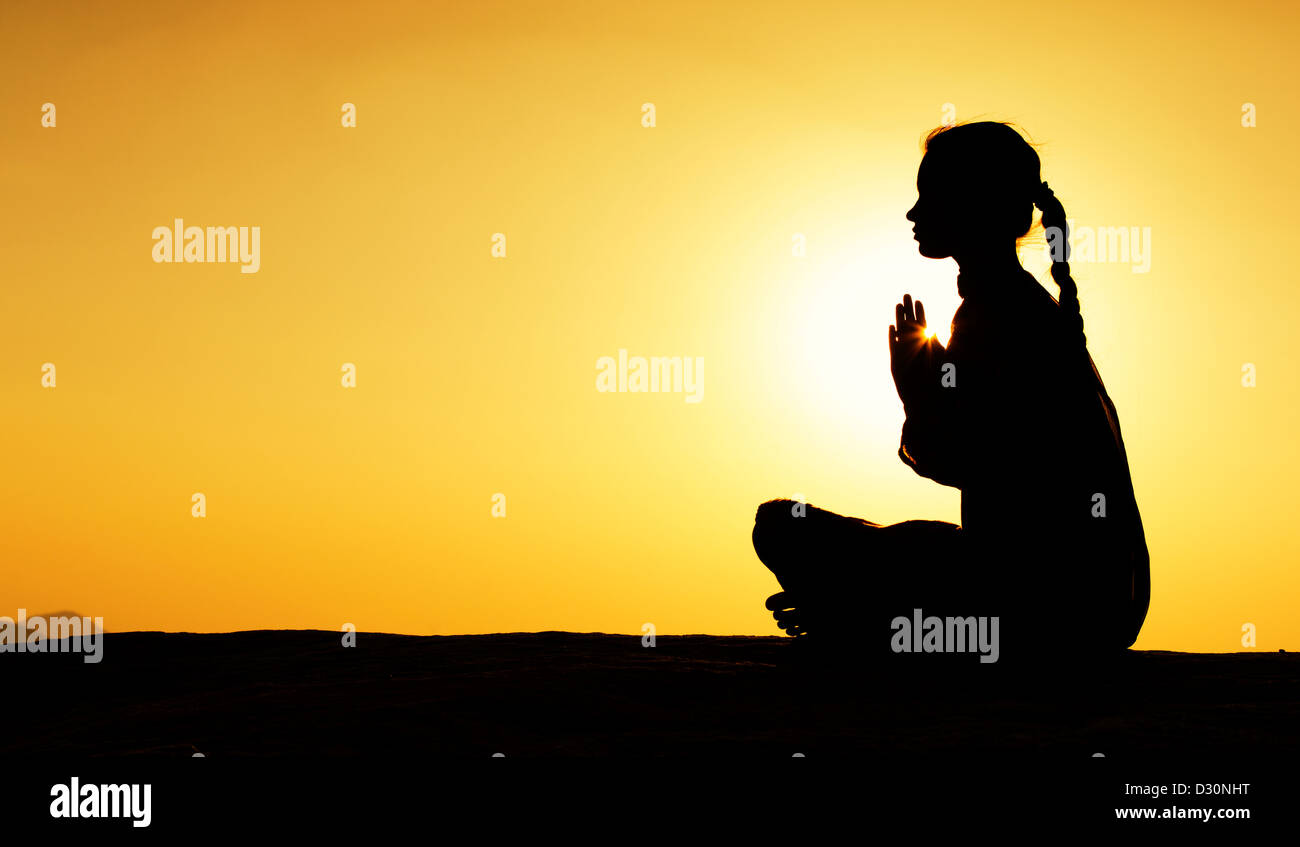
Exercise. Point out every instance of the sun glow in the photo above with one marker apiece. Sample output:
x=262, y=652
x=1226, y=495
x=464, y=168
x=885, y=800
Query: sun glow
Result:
x=844, y=307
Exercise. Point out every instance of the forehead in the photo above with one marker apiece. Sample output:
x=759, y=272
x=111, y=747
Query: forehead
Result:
x=951, y=170
x=934, y=170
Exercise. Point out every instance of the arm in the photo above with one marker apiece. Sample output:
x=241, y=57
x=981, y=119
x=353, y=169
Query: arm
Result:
x=936, y=440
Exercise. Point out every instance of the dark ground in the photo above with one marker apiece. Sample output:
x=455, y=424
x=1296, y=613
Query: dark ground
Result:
x=300, y=693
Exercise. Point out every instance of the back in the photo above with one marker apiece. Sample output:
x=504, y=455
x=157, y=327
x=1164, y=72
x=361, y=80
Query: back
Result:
x=1034, y=444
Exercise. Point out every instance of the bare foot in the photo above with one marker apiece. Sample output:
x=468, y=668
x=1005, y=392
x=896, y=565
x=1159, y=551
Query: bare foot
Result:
x=792, y=620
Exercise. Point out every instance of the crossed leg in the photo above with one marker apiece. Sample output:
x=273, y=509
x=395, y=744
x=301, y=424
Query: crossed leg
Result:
x=837, y=571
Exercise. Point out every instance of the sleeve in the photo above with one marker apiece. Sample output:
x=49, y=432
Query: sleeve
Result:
x=934, y=442
x=968, y=416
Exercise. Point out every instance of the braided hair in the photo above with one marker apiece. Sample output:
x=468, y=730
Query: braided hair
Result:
x=1058, y=240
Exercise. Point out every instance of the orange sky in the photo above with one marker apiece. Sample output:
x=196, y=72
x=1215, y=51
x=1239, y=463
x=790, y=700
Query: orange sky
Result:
x=477, y=375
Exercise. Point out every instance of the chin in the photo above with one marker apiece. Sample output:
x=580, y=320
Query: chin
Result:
x=930, y=251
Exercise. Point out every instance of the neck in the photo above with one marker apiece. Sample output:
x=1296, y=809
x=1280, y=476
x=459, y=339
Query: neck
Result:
x=984, y=263
x=974, y=267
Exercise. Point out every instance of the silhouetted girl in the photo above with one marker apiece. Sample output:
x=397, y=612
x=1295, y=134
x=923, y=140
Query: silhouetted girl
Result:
x=1013, y=413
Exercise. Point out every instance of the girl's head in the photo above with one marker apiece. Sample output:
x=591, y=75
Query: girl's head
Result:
x=978, y=186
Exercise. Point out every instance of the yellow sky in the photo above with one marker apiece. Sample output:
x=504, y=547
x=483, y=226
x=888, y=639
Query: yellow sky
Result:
x=476, y=375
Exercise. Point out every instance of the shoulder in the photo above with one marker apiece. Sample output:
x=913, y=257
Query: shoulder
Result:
x=1021, y=321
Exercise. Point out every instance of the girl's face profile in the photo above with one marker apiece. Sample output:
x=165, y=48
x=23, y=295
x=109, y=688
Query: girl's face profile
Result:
x=934, y=213
x=957, y=209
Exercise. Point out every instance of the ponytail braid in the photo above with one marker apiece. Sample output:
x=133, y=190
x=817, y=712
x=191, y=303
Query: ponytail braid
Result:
x=1058, y=240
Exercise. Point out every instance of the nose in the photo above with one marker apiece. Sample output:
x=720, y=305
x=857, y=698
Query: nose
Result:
x=911, y=213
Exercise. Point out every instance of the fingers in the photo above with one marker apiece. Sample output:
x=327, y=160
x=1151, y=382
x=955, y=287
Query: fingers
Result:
x=893, y=340
x=908, y=312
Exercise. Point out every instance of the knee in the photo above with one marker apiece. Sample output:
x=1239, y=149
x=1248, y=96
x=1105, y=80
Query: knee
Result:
x=776, y=517
x=772, y=526
x=775, y=512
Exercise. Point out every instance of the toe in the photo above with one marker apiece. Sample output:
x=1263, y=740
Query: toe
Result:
x=787, y=615
x=780, y=600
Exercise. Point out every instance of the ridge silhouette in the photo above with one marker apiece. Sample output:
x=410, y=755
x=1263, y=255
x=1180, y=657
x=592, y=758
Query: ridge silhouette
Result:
x=1014, y=414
